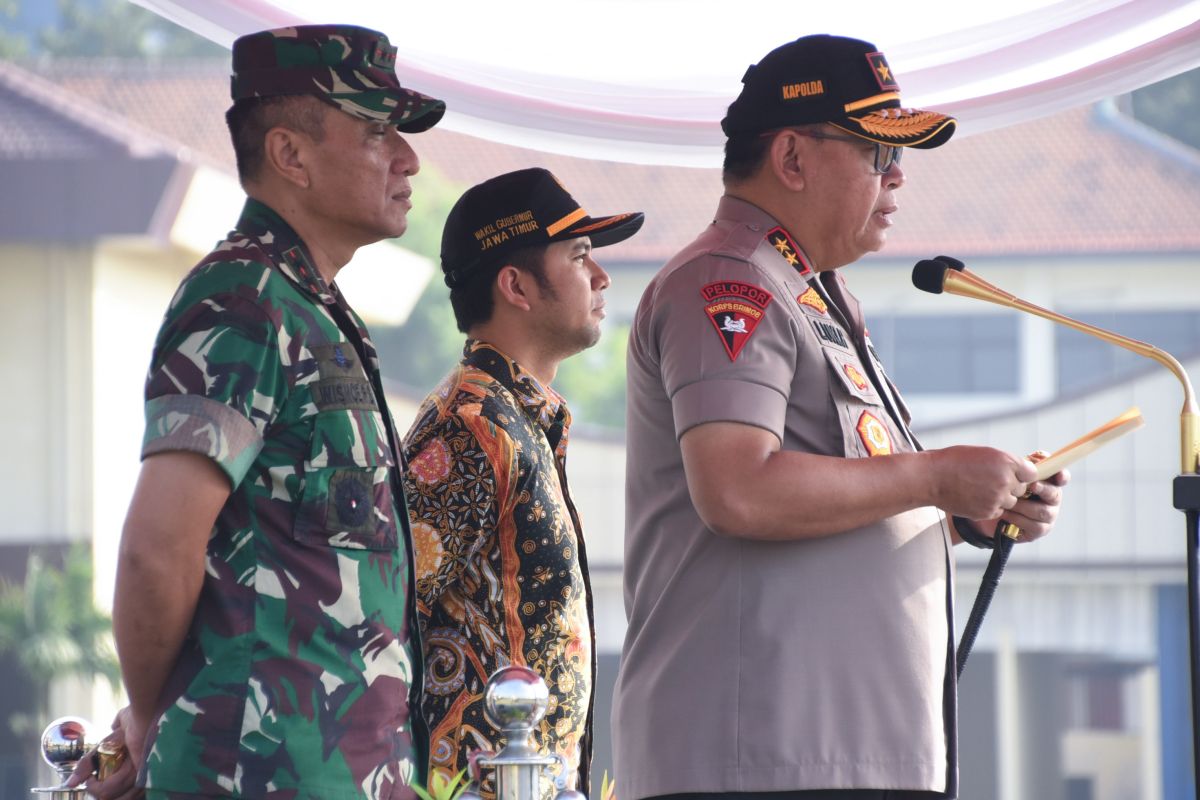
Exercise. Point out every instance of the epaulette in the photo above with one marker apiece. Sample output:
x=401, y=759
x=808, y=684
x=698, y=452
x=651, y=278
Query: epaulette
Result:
x=787, y=248
x=739, y=241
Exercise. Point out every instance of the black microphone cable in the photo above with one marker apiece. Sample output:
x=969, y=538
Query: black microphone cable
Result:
x=928, y=276
x=1001, y=548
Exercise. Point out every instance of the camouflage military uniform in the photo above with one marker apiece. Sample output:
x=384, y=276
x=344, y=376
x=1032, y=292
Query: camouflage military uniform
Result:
x=501, y=565
x=298, y=671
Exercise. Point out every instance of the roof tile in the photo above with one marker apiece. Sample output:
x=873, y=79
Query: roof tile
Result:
x=1084, y=181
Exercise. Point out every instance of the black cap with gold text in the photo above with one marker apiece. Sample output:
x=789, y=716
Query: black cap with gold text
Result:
x=515, y=210
x=844, y=82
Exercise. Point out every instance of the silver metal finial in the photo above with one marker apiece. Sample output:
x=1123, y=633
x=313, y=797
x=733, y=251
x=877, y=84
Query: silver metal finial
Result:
x=516, y=698
x=65, y=741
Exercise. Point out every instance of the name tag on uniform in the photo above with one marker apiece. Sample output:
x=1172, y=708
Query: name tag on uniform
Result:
x=830, y=333
x=342, y=383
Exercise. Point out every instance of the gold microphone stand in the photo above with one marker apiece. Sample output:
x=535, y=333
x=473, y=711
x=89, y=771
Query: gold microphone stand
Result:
x=968, y=284
x=1186, y=488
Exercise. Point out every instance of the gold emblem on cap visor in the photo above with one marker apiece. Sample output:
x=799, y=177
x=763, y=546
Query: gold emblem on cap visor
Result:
x=903, y=126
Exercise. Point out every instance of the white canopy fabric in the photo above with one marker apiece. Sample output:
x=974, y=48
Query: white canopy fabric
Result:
x=647, y=81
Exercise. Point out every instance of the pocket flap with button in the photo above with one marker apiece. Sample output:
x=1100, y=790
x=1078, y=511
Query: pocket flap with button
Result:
x=851, y=374
x=347, y=498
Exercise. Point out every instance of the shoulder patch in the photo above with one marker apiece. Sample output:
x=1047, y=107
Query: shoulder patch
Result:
x=782, y=241
x=813, y=300
x=874, y=435
x=735, y=310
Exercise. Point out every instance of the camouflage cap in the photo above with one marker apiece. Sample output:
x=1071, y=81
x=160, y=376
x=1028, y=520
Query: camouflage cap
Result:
x=349, y=67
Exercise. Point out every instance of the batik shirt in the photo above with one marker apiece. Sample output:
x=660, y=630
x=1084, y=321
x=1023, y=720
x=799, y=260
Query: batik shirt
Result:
x=501, y=567
x=295, y=675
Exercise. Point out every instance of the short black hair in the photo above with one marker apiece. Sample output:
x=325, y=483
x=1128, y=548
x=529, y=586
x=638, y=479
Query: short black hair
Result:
x=744, y=155
x=250, y=118
x=472, y=301
x=746, y=152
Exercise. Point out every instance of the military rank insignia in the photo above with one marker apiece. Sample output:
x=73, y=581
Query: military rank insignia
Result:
x=883, y=73
x=813, y=300
x=782, y=241
x=874, y=435
x=735, y=310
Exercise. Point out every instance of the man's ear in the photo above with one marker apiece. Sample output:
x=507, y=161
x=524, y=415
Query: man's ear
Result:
x=786, y=160
x=513, y=287
x=285, y=153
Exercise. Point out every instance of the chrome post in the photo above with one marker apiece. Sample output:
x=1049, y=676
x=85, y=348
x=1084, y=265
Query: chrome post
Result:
x=64, y=742
x=515, y=701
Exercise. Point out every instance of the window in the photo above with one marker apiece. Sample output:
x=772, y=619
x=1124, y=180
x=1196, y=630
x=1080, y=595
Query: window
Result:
x=949, y=354
x=1085, y=361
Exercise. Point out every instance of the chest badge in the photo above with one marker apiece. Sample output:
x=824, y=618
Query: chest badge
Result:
x=874, y=435
x=855, y=377
x=735, y=310
x=813, y=300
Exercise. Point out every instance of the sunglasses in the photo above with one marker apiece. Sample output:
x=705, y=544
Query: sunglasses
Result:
x=886, y=155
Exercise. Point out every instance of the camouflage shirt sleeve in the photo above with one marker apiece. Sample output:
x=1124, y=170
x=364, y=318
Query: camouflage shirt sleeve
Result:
x=216, y=378
x=457, y=489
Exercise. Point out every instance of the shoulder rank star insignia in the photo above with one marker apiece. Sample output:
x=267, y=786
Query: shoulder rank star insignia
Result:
x=782, y=241
x=735, y=310
x=874, y=435
x=813, y=300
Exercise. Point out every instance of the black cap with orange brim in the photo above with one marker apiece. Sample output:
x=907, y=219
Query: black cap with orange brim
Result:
x=837, y=80
x=515, y=210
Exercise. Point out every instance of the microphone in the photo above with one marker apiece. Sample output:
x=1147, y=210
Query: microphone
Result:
x=945, y=274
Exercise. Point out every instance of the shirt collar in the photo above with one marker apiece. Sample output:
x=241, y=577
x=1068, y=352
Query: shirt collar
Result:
x=540, y=403
x=735, y=209
x=286, y=248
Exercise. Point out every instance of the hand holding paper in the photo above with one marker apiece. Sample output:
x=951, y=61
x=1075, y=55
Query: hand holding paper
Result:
x=1089, y=443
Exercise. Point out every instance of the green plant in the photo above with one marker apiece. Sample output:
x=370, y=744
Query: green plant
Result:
x=53, y=630
x=608, y=788
x=443, y=788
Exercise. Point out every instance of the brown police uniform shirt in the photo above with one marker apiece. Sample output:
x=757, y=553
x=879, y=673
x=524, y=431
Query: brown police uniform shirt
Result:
x=772, y=666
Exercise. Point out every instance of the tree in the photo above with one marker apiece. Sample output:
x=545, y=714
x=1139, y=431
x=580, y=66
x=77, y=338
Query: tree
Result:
x=422, y=350
x=52, y=628
x=594, y=381
x=12, y=45
x=119, y=29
